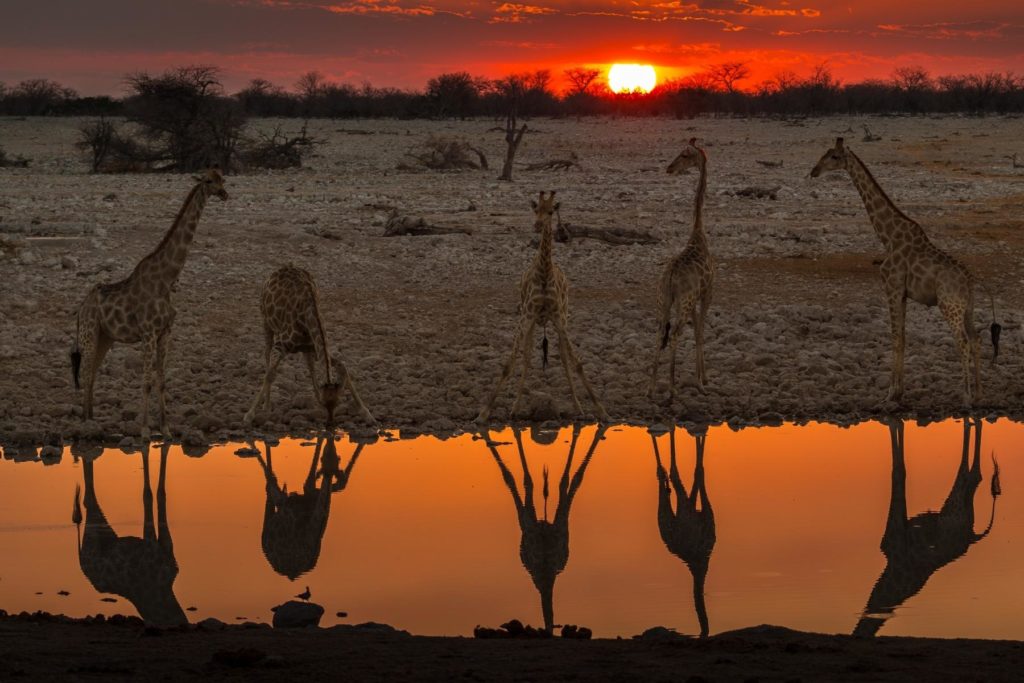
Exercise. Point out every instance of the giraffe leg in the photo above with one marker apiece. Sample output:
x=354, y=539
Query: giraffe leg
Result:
x=572, y=357
x=564, y=358
x=698, y=350
x=351, y=386
x=897, y=329
x=161, y=359
x=705, y=303
x=263, y=395
x=673, y=347
x=974, y=340
x=527, y=348
x=954, y=315
x=506, y=372
x=94, y=350
x=660, y=342
x=149, y=345
x=311, y=366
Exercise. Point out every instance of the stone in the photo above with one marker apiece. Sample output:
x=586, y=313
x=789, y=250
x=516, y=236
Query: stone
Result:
x=295, y=614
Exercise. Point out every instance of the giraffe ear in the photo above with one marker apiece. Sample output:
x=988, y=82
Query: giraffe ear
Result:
x=839, y=143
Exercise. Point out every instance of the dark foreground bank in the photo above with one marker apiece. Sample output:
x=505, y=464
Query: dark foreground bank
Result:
x=46, y=647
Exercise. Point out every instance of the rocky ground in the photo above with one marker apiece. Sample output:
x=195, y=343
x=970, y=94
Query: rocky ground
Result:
x=798, y=328
x=42, y=647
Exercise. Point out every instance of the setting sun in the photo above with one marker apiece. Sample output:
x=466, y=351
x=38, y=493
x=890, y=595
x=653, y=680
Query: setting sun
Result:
x=632, y=78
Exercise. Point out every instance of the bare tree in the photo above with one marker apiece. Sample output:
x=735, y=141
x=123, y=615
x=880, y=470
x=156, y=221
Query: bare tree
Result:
x=911, y=78
x=580, y=80
x=727, y=75
x=511, y=89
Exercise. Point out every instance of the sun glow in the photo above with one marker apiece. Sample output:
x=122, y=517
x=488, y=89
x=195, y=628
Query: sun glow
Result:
x=632, y=78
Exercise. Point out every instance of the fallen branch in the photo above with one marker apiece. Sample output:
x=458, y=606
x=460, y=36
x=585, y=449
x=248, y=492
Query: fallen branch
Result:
x=757, y=192
x=869, y=136
x=398, y=225
x=556, y=164
x=770, y=164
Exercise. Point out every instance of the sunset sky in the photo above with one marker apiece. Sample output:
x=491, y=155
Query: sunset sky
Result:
x=91, y=45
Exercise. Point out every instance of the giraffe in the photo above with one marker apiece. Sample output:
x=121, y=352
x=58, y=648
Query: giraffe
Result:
x=138, y=309
x=684, y=288
x=544, y=546
x=141, y=570
x=687, y=532
x=913, y=268
x=290, y=304
x=543, y=299
x=294, y=523
x=916, y=547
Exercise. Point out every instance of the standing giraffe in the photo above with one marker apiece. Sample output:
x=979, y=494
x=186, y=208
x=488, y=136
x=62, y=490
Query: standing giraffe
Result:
x=684, y=290
x=290, y=305
x=687, y=532
x=544, y=546
x=139, y=309
x=294, y=523
x=543, y=299
x=916, y=547
x=914, y=267
x=141, y=570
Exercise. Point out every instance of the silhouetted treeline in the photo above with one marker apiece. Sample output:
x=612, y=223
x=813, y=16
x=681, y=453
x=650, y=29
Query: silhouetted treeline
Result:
x=460, y=95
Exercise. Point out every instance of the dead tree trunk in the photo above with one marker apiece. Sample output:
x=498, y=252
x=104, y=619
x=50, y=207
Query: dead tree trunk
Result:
x=512, y=138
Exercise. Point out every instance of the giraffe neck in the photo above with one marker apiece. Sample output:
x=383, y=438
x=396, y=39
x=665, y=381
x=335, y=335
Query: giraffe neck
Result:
x=543, y=262
x=168, y=259
x=698, y=237
x=889, y=222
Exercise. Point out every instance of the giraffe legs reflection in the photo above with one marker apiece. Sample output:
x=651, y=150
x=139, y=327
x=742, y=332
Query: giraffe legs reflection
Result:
x=916, y=547
x=688, y=530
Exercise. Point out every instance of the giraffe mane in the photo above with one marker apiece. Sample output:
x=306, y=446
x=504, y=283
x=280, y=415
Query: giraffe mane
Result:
x=878, y=187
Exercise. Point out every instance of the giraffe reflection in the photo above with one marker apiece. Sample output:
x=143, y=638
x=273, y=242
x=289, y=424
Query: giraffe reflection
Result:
x=294, y=523
x=917, y=547
x=544, y=548
x=141, y=570
x=688, y=532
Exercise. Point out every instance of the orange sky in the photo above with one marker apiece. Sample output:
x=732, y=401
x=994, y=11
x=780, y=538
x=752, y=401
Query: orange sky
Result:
x=401, y=43
x=425, y=535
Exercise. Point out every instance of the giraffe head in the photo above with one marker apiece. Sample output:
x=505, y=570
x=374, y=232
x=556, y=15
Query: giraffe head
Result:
x=330, y=393
x=691, y=157
x=213, y=181
x=543, y=210
x=833, y=160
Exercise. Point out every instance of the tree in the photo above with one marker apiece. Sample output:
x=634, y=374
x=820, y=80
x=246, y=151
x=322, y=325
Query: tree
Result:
x=911, y=78
x=454, y=94
x=511, y=90
x=38, y=97
x=580, y=80
x=727, y=75
x=185, y=116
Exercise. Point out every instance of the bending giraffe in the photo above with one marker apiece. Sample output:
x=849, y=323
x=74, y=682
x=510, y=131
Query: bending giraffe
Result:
x=290, y=305
x=294, y=523
x=916, y=547
x=687, y=532
x=544, y=546
x=138, y=309
x=914, y=268
x=684, y=290
x=141, y=570
x=543, y=299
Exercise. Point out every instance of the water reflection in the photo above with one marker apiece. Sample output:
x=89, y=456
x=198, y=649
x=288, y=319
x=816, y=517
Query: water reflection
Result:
x=688, y=531
x=294, y=523
x=544, y=545
x=916, y=547
x=141, y=570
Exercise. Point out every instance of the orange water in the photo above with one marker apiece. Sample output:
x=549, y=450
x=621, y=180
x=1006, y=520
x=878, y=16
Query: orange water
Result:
x=425, y=535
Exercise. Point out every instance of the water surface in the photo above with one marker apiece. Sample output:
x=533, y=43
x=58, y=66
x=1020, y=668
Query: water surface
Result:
x=784, y=525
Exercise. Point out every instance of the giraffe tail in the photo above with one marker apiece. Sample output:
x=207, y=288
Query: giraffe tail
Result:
x=995, y=329
x=665, y=335
x=544, y=349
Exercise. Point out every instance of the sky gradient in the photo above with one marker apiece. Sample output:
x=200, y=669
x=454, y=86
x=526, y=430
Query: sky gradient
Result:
x=90, y=46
